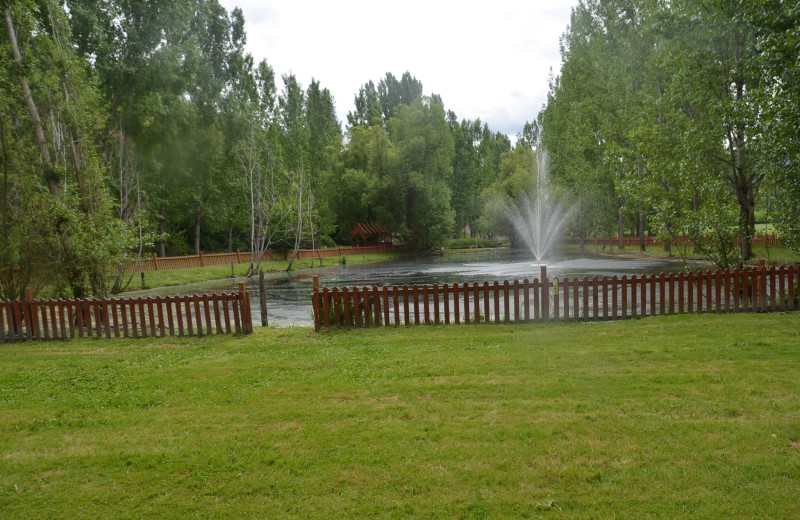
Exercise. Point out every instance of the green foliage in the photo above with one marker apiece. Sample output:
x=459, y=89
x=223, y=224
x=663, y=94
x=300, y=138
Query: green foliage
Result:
x=59, y=227
x=469, y=243
x=668, y=113
x=776, y=27
x=398, y=176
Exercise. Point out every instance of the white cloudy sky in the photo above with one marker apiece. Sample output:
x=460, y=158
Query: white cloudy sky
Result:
x=488, y=60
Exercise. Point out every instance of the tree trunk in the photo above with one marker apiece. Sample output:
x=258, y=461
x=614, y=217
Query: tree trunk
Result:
x=162, y=230
x=197, y=215
x=642, y=242
x=5, y=178
x=262, y=299
x=41, y=141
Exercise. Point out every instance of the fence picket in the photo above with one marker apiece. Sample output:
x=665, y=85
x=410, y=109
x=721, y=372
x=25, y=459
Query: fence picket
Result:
x=237, y=311
x=406, y=307
x=624, y=295
x=436, y=316
x=772, y=291
x=614, y=296
x=576, y=303
x=496, y=292
x=45, y=328
x=426, y=305
x=142, y=316
x=506, y=306
x=526, y=299
x=446, y=298
x=415, y=290
x=476, y=300
x=385, y=306
x=367, y=308
x=396, y=305
x=487, y=306
x=456, y=305
x=376, y=303
x=465, y=293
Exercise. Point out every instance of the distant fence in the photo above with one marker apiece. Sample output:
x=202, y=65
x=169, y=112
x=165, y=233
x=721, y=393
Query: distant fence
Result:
x=567, y=299
x=166, y=263
x=162, y=316
x=770, y=240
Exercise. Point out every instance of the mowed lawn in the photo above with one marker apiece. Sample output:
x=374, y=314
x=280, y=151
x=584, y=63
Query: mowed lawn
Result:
x=675, y=417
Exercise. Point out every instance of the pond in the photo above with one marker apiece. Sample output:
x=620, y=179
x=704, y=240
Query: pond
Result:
x=289, y=294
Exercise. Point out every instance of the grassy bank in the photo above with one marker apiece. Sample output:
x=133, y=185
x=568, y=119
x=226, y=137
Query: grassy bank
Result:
x=222, y=272
x=676, y=417
x=773, y=255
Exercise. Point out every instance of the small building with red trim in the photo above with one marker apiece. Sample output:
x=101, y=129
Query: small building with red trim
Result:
x=369, y=233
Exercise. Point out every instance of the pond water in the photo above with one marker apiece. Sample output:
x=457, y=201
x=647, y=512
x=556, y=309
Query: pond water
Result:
x=289, y=294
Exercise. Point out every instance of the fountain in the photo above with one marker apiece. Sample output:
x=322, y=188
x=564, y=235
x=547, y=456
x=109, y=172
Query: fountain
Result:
x=538, y=221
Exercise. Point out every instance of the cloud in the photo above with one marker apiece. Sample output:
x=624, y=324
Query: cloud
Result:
x=486, y=60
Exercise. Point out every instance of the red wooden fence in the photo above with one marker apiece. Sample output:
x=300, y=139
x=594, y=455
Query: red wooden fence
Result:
x=567, y=299
x=767, y=240
x=193, y=315
x=166, y=263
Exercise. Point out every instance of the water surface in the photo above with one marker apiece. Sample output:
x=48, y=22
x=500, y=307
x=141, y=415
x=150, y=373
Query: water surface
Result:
x=289, y=301
x=289, y=294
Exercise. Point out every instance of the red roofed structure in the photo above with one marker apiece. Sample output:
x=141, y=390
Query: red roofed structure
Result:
x=369, y=233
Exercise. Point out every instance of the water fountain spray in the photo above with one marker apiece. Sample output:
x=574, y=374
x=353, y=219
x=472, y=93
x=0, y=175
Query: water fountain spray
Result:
x=538, y=220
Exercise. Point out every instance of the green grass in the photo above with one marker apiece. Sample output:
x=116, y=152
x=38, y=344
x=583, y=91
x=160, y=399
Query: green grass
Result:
x=776, y=255
x=220, y=272
x=673, y=417
x=773, y=255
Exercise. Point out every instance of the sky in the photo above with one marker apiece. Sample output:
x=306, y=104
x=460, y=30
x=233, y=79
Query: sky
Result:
x=487, y=60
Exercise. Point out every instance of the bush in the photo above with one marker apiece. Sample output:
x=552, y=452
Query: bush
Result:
x=469, y=243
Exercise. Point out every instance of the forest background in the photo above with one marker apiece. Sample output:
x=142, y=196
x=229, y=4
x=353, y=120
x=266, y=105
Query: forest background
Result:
x=131, y=127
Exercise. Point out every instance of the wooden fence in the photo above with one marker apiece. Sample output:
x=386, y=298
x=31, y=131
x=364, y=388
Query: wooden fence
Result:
x=767, y=240
x=568, y=299
x=166, y=263
x=193, y=315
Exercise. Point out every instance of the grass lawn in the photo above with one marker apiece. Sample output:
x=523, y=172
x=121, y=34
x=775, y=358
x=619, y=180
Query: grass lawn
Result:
x=773, y=255
x=222, y=272
x=673, y=417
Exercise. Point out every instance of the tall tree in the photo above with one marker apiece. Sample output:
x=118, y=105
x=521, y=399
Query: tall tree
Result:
x=776, y=39
x=51, y=101
x=368, y=111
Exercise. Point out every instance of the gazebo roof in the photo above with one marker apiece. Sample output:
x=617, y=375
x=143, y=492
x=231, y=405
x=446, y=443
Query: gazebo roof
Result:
x=367, y=230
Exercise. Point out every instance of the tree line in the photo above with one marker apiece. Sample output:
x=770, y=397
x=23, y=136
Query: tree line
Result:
x=680, y=118
x=137, y=127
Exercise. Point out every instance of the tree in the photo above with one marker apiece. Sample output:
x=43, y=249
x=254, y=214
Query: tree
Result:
x=416, y=191
x=776, y=37
x=72, y=238
x=368, y=111
x=392, y=92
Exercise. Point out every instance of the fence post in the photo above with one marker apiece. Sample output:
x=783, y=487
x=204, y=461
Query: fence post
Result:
x=262, y=298
x=238, y=256
x=244, y=309
x=155, y=260
x=202, y=260
x=28, y=314
x=762, y=284
x=545, y=293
